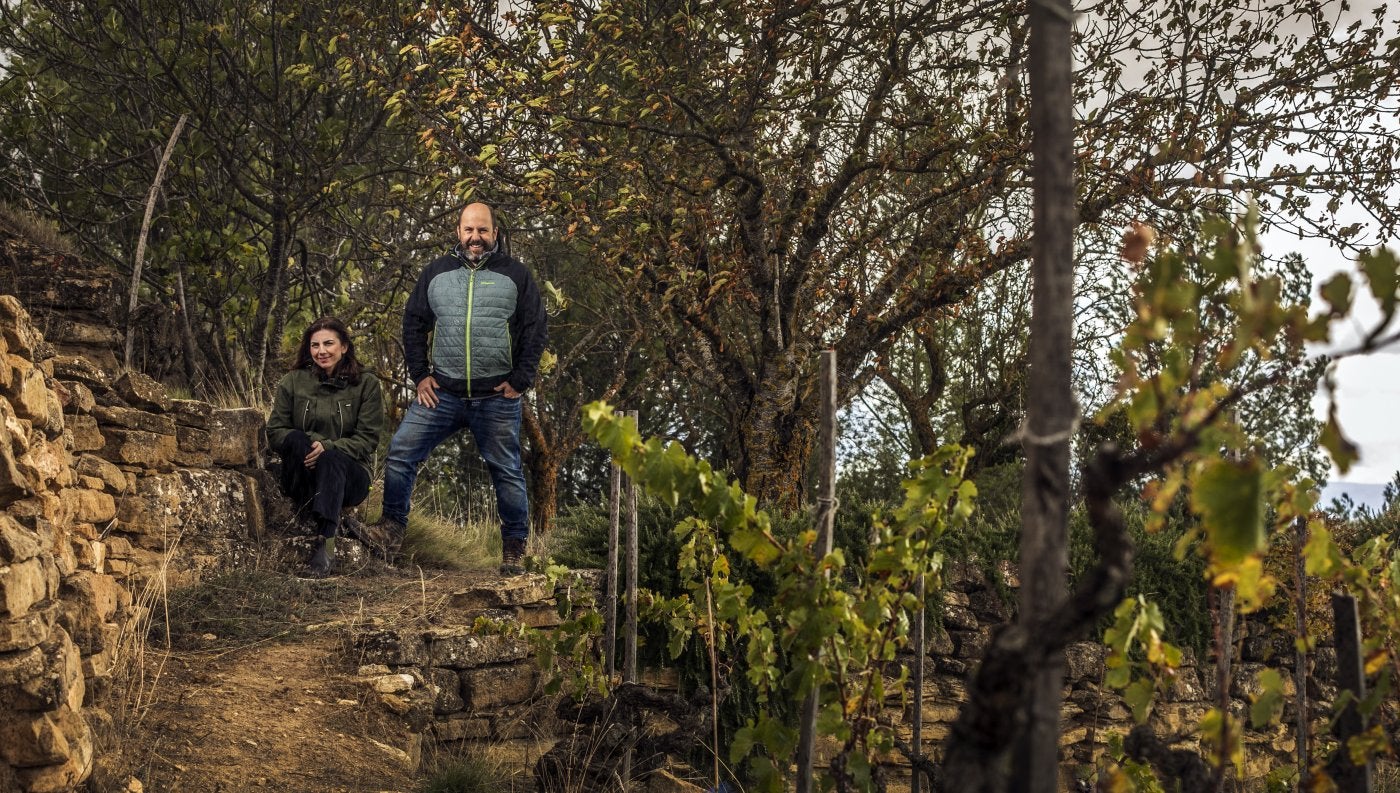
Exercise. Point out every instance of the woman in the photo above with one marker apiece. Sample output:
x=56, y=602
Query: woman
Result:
x=326, y=422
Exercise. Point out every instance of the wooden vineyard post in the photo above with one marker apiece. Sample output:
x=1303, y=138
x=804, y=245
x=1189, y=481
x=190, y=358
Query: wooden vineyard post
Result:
x=610, y=607
x=629, y=661
x=826, y=516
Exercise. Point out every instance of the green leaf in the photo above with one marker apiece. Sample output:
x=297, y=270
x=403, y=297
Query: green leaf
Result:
x=1268, y=703
x=1343, y=452
x=1229, y=497
x=1138, y=696
x=1321, y=555
x=1383, y=273
x=1337, y=293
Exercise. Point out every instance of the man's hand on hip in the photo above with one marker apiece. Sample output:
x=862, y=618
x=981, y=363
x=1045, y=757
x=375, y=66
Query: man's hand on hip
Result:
x=505, y=390
x=427, y=392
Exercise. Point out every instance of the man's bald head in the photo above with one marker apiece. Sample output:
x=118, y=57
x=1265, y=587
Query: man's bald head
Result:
x=476, y=230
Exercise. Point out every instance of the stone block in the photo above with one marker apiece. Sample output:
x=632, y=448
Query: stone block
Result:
x=461, y=728
x=663, y=781
x=191, y=439
x=89, y=602
x=79, y=397
x=1084, y=661
x=1176, y=718
x=136, y=447
x=545, y=615
x=79, y=369
x=114, y=480
x=492, y=687
x=938, y=641
x=27, y=741
x=30, y=629
x=17, y=542
x=46, y=464
x=53, y=426
x=518, y=590
x=191, y=413
x=1186, y=686
x=89, y=506
x=989, y=607
x=1009, y=573
x=960, y=618
x=29, y=394
x=57, y=681
x=391, y=647
x=208, y=515
x=90, y=554
x=964, y=575
x=66, y=283
x=133, y=419
x=83, y=334
x=142, y=392
x=186, y=459
x=68, y=774
x=447, y=691
x=65, y=559
x=14, y=484
x=237, y=437
x=98, y=665
x=461, y=648
x=953, y=598
x=194, y=447
x=86, y=436
x=22, y=585
x=393, y=683
x=949, y=665
x=969, y=645
x=18, y=331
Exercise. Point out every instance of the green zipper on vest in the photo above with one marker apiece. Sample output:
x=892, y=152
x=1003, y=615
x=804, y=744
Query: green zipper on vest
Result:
x=471, y=289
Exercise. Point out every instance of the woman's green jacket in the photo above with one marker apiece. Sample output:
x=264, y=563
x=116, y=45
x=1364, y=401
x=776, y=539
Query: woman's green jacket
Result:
x=341, y=415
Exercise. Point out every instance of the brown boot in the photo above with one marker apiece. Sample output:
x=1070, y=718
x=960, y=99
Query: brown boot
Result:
x=384, y=538
x=512, y=556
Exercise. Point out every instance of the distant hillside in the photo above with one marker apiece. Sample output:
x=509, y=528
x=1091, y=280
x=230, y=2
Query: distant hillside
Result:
x=1362, y=493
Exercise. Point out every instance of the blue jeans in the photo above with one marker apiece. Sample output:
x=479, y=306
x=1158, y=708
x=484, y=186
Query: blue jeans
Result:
x=495, y=425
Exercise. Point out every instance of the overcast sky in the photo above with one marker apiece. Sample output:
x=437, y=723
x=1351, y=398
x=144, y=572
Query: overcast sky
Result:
x=1368, y=388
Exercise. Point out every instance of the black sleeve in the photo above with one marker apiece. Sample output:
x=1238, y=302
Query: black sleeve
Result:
x=531, y=328
x=418, y=322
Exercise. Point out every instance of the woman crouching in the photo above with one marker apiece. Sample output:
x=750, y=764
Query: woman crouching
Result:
x=327, y=418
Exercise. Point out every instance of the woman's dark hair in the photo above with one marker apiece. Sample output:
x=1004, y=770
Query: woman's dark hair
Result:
x=349, y=365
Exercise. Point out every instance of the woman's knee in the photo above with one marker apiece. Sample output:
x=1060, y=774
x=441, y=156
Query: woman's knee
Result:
x=296, y=444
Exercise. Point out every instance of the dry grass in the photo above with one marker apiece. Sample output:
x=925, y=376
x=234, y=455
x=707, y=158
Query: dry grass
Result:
x=40, y=231
x=137, y=669
x=441, y=538
x=467, y=771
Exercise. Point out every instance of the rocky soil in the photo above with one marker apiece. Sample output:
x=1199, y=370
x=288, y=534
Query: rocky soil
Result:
x=285, y=712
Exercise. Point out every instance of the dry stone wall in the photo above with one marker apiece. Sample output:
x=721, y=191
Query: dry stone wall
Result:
x=110, y=491
x=459, y=683
x=975, y=602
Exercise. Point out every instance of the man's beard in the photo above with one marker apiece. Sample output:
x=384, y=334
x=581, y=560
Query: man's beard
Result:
x=474, y=255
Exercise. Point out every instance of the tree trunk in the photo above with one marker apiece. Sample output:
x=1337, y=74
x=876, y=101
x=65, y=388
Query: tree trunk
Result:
x=1051, y=414
x=269, y=294
x=187, y=340
x=774, y=443
x=544, y=488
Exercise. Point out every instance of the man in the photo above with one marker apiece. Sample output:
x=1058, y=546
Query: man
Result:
x=487, y=323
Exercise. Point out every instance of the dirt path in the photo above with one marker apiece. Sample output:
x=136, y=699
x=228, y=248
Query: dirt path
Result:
x=285, y=713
